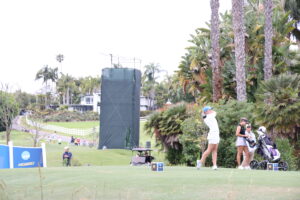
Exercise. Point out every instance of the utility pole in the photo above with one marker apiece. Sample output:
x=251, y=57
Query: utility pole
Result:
x=111, y=60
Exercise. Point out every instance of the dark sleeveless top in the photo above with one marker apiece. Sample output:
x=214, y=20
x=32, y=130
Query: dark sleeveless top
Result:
x=243, y=130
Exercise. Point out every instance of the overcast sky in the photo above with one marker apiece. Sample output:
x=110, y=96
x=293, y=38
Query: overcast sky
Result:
x=33, y=32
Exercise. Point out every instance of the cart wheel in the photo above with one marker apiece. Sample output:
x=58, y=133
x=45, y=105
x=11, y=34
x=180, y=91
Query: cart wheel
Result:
x=254, y=164
x=263, y=164
x=283, y=166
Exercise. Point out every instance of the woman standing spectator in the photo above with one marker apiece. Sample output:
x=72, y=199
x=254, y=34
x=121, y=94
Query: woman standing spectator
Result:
x=241, y=144
x=250, y=149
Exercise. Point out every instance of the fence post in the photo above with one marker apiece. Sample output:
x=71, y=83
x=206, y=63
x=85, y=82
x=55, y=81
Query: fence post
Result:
x=44, y=154
x=11, y=154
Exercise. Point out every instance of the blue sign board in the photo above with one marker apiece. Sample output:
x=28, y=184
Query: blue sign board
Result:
x=22, y=157
x=27, y=157
x=4, y=156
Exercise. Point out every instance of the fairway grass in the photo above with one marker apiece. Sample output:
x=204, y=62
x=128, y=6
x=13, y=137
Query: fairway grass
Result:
x=140, y=183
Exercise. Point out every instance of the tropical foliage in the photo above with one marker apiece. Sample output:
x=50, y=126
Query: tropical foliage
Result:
x=272, y=99
x=278, y=103
x=195, y=70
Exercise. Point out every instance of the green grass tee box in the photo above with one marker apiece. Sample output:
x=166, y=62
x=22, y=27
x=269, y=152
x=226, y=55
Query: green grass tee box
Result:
x=130, y=182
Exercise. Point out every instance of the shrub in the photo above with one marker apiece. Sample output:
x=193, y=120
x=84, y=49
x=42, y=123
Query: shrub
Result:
x=166, y=127
x=175, y=156
x=67, y=116
x=193, y=139
x=145, y=113
x=229, y=114
x=287, y=152
x=227, y=153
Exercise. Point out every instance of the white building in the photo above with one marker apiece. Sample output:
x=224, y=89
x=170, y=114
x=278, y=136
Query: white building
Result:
x=146, y=103
x=92, y=100
x=92, y=103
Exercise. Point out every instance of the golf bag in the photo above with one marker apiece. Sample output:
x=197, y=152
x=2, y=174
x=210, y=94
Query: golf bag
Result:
x=267, y=149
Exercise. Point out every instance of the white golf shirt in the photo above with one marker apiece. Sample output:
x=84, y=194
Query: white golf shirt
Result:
x=212, y=123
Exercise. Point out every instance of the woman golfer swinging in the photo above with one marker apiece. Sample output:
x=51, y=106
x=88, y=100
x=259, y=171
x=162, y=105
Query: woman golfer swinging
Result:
x=213, y=137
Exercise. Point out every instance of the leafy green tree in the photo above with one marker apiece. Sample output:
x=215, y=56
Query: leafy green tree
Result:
x=24, y=99
x=8, y=111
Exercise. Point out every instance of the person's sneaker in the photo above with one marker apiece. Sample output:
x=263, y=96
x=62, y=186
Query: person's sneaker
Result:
x=247, y=168
x=214, y=167
x=240, y=167
x=198, y=164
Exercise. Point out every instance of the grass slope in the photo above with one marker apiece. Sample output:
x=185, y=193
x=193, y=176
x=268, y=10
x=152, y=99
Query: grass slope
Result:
x=125, y=182
x=78, y=125
x=83, y=155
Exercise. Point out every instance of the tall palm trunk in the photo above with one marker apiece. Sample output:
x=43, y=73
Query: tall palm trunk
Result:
x=46, y=95
x=239, y=44
x=214, y=36
x=268, y=29
x=68, y=96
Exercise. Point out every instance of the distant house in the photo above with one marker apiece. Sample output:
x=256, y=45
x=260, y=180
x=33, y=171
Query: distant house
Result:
x=87, y=103
x=146, y=103
x=92, y=103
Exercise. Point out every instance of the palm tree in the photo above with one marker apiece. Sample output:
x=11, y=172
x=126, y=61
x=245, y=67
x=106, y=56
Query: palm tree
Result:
x=293, y=6
x=60, y=58
x=239, y=44
x=149, y=81
x=268, y=7
x=281, y=114
x=47, y=73
x=89, y=85
x=215, y=60
x=64, y=86
x=150, y=72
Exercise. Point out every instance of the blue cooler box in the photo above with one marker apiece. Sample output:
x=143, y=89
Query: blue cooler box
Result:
x=272, y=166
x=157, y=166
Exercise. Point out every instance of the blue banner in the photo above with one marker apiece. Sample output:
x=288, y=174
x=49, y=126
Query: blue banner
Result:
x=4, y=156
x=27, y=157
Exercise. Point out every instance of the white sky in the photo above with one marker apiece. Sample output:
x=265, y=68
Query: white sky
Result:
x=33, y=32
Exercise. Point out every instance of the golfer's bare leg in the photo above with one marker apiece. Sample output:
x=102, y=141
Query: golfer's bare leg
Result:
x=206, y=153
x=215, y=154
x=238, y=155
x=244, y=159
x=245, y=149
